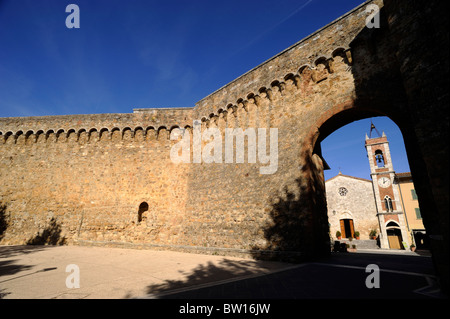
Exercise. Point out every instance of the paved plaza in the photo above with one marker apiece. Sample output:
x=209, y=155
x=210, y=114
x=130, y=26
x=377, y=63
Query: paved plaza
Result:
x=47, y=272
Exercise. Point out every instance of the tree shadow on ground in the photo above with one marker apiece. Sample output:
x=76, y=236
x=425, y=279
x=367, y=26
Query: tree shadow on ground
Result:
x=50, y=235
x=3, y=293
x=17, y=250
x=210, y=272
x=9, y=266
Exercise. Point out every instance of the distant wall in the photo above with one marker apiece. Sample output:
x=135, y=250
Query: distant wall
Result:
x=90, y=173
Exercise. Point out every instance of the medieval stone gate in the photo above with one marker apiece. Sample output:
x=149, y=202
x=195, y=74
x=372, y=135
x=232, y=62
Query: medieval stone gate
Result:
x=87, y=177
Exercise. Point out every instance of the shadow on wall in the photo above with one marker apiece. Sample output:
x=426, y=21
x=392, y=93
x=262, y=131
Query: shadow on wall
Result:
x=293, y=233
x=3, y=220
x=50, y=235
x=297, y=229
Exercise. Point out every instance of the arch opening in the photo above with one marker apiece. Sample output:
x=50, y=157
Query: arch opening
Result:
x=143, y=207
x=342, y=143
x=379, y=158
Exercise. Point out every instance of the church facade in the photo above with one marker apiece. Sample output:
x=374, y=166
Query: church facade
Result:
x=351, y=206
x=360, y=207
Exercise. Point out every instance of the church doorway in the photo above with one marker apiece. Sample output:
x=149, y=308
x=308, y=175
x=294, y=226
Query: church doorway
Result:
x=394, y=235
x=347, y=228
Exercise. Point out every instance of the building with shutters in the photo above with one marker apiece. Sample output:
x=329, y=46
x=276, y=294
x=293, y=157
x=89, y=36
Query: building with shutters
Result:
x=410, y=205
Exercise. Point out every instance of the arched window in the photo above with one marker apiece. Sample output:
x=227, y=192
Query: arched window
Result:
x=143, y=207
x=379, y=158
x=392, y=224
x=388, y=203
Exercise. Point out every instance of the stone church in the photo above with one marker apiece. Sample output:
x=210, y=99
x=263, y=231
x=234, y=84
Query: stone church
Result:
x=351, y=206
x=358, y=206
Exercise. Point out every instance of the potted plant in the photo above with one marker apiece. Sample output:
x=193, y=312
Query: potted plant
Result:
x=357, y=235
x=413, y=247
x=353, y=249
x=373, y=234
x=338, y=235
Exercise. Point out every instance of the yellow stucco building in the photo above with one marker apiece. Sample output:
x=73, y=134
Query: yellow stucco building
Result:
x=411, y=209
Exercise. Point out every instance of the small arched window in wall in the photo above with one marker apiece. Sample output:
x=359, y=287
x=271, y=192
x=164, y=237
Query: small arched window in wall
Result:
x=143, y=207
x=379, y=158
x=388, y=204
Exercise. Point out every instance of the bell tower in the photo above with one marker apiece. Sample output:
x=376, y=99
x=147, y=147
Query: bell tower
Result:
x=387, y=197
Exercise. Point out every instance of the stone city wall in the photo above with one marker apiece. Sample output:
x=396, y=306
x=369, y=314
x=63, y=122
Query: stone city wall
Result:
x=90, y=176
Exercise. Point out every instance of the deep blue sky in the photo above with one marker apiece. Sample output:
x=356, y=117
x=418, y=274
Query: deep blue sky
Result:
x=344, y=148
x=137, y=54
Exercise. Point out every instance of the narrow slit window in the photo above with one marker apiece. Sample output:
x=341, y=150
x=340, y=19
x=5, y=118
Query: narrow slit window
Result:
x=143, y=207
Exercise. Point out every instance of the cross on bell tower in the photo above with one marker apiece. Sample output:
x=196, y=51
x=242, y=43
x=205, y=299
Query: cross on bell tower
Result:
x=372, y=127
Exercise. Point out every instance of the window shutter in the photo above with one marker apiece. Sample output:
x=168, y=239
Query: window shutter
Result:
x=418, y=216
x=414, y=194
